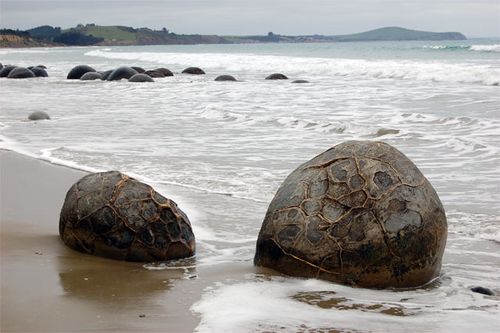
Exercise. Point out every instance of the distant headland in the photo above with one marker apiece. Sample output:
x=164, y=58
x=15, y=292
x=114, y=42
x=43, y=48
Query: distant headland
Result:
x=92, y=34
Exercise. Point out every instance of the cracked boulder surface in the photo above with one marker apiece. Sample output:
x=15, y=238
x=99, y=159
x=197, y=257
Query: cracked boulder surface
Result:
x=111, y=215
x=361, y=214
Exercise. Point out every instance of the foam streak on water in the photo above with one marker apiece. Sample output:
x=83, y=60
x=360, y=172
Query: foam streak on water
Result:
x=221, y=149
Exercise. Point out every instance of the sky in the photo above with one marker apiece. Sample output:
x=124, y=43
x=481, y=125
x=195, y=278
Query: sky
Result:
x=474, y=18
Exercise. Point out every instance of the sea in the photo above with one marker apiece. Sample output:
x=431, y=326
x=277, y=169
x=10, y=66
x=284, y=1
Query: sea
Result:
x=221, y=150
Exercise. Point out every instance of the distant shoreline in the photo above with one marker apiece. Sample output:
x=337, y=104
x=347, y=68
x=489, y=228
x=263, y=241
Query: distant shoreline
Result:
x=94, y=35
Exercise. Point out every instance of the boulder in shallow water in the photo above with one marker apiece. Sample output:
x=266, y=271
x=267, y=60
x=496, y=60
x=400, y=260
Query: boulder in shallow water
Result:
x=20, y=73
x=276, y=76
x=38, y=115
x=483, y=290
x=361, y=213
x=111, y=215
x=225, y=78
x=105, y=74
x=300, y=81
x=141, y=78
x=89, y=76
x=121, y=73
x=193, y=70
x=4, y=72
x=138, y=69
x=39, y=71
x=77, y=72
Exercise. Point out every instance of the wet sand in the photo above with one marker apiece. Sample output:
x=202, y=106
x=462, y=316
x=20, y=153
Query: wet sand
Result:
x=47, y=287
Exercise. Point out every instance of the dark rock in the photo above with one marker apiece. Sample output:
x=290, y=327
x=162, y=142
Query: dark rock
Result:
x=77, y=72
x=166, y=72
x=1, y=66
x=138, y=69
x=225, y=78
x=141, y=78
x=122, y=73
x=4, y=72
x=361, y=213
x=300, y=81
x=111, y=215
x=39, y=71
x=89, y=76
x=38, y=115
x=20, y=73
x=193, y=70
x=105, y=74
x=276, y=76
x=483, y=290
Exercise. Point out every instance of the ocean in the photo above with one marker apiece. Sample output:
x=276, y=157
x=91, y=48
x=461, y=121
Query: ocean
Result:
x=221, y=150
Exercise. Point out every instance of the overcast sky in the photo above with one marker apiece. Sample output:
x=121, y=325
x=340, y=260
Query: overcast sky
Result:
x=474, y=18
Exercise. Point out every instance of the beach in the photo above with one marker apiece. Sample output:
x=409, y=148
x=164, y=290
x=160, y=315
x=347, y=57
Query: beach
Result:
x=220, y=150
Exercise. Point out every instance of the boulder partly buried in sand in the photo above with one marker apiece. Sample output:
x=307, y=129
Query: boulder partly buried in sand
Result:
x=193, y=70
x=77, y=72
x=38, y=115
x=111, y=215
x=361, y=213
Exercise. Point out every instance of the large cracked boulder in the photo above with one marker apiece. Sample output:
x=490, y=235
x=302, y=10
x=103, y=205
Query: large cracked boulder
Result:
x=362, y=214
x=111, y=215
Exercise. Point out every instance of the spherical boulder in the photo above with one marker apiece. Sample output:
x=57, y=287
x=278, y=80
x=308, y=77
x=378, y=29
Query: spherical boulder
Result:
x=77, y=72
x=39, y=71
x=138, y=69
x=193, y=70
x=225, y=78
x=90, y=76
x=105, y=74
x=4, y=72
x=20, y=73
x=276, y=76
x=362, y=214
x=38, y=115
x=141, y=78
x=121, y=73
x=111, y=215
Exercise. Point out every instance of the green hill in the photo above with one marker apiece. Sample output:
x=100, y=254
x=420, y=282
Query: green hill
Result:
x=398, y=33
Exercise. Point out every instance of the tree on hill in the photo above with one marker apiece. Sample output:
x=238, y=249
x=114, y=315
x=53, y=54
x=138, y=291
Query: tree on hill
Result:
x=76, y=38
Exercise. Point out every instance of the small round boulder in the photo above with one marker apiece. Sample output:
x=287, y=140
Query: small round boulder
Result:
x=105, y=74
x=111, y=215
x=20, y=73
x=225, y=78
x=276, y=76
x=38, y=115
x=138, y=69
x=77, y=72
x=4, y=72
x=362, y=214
x=39, y=71
x=141, y=78
x=122, y=73
x=90, y=76
x=300, y=81
x=193, y=70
